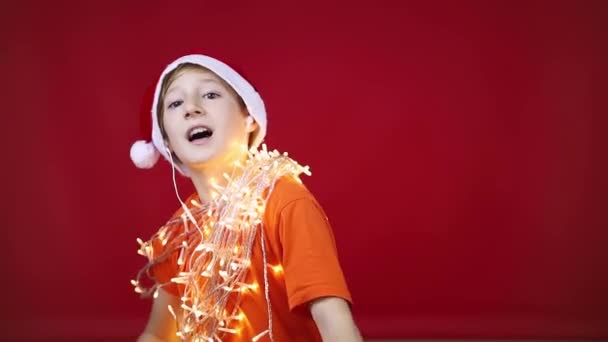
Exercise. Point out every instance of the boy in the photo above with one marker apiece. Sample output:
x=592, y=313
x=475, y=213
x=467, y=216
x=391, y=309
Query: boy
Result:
x=250, y=256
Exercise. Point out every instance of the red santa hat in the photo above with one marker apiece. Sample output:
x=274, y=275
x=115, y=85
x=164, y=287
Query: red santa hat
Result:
x=145, y=154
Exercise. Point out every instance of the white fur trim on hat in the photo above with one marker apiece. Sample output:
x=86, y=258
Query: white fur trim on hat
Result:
x=251, y=98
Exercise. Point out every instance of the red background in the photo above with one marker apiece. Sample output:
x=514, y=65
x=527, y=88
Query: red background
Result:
x=458, y=148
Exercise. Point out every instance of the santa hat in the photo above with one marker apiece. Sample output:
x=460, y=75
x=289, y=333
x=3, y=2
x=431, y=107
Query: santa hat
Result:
x=145, y=154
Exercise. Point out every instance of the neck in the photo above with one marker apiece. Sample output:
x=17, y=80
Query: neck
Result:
x=204, y=177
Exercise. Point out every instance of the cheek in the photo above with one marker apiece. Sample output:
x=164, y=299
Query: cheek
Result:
x=170, y=127
x=237, y=126
x=233, y=121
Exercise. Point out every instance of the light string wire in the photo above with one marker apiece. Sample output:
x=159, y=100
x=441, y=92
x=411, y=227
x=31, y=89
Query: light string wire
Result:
x=214, y=258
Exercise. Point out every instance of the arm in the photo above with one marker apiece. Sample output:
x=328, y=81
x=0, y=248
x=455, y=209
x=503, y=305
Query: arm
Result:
x=161, y=325
x=334, y=320
x=312, y=271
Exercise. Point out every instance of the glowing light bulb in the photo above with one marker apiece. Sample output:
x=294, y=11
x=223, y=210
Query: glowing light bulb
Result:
x=172, y=312
x=229, y=330
x=259, y=336
x=277, y=269
x=180, y=260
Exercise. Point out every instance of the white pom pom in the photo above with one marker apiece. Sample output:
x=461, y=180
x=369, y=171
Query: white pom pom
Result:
x=143, y=154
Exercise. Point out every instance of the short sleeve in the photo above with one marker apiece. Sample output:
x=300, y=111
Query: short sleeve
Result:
x=309, y=255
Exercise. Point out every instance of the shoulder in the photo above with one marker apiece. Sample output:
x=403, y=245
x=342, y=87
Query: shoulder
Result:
x=170, y=233
x=180, y=210
x=287, y=191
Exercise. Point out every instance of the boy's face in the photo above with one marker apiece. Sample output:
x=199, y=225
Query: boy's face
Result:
x=203, y=120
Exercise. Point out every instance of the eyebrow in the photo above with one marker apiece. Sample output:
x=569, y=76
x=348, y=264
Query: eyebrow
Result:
x=205, y=80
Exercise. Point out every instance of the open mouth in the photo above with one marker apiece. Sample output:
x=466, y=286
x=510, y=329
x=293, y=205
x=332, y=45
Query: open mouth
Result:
x=199, y=133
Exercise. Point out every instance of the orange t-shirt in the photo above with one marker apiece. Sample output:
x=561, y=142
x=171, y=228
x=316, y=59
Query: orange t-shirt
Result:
x=298, y=237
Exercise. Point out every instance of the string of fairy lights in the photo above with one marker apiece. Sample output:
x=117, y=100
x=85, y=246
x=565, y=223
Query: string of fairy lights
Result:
x=214, y=245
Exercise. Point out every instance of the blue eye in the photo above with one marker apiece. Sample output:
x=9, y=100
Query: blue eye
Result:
x=211, y=95
x=175, y=104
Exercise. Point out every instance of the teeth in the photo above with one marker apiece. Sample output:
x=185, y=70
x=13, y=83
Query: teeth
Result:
x=198, y=130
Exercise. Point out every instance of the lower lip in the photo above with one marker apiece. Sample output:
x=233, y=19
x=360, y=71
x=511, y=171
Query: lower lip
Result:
x=199, y=142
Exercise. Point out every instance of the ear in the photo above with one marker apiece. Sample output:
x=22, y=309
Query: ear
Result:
x=252, y=126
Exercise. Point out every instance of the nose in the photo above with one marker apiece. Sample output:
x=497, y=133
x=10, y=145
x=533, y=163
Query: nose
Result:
x=193, y=108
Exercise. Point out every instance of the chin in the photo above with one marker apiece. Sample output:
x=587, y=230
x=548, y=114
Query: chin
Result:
x=199, y=161
x=199, y=158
